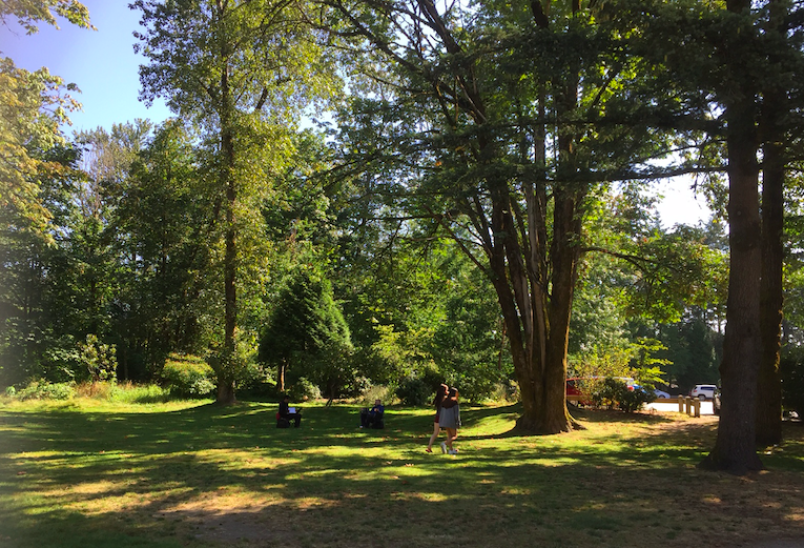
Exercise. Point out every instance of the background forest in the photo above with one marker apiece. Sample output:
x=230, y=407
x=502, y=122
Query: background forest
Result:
x=358, y=196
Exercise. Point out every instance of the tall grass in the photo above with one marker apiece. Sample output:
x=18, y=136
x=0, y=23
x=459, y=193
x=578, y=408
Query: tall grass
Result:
x=111, y=392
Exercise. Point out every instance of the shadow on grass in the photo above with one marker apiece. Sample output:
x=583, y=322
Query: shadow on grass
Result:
x=225, y=476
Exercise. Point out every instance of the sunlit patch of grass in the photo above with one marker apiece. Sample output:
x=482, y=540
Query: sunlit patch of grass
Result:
x=202, y=475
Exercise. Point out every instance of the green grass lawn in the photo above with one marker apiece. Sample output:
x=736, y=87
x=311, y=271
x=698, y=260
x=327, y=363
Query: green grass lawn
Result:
x=86, y=474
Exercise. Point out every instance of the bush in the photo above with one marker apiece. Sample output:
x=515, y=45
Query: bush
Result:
x=478, y=385
x=188, y=375
x=506, y=392
x=46, y=391
x=303, y=390
x=414, y=392
x=615, y=393
x=634, y=400
x=432, y=378
x=257, y=382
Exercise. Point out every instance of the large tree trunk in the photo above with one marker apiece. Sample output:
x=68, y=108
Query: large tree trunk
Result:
x=565, y=255
x=545, y=329
x=769, y=395
x=735, y=449
x=226, y=390
x=568, y=197
x=541, y=381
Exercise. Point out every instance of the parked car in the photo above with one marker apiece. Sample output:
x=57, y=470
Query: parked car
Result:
x=704, y=391
x=661, y=394
x=574, y=390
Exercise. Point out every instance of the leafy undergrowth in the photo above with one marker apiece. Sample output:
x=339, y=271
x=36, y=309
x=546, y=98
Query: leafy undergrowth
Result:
x=184, y=474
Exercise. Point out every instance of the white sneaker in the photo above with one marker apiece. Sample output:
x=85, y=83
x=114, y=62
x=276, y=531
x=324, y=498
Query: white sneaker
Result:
x=444, y=448
x=453, y=451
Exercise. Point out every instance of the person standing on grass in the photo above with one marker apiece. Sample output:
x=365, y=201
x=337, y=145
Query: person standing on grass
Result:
x=441, y=395
x=450, y=418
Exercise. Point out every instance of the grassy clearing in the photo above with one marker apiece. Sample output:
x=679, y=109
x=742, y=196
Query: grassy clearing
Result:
x=88, y=473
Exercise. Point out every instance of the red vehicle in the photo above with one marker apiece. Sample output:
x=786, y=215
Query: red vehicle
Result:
x=575, y=391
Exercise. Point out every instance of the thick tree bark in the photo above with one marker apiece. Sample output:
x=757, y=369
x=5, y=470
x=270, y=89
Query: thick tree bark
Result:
x=568, y=196
x=545, y=329
x=769, y=395
x=564, y=256
x=226, y=390
x=735, y=449
x=538, y=348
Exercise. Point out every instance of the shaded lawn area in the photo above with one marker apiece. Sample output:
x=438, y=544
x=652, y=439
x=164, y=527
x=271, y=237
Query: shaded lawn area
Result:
x=83, y=474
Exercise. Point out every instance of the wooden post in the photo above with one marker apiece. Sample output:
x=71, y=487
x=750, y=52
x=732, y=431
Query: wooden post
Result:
x=681, y=404
x=697, y=406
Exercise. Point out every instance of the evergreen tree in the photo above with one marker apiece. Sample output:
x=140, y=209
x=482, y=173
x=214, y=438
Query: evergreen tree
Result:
x=307, y=334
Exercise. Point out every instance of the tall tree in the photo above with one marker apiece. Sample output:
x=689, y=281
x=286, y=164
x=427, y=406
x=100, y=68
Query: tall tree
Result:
x=162, y=223
x=742, y=347
x=486, y=123
x=775, y=160
x=243, y=70
x=33, y=318
x=719, y=74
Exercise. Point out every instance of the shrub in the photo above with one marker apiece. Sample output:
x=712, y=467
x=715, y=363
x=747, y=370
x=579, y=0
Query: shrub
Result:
x=188, y=375
x=432, y=378
x=302, y=390
x=607, y=393
x=506, y=392
x=257, y=382
x=615, y=393
x=414, y=392
x=479, y=384
x=46, y=391
x=634, y=400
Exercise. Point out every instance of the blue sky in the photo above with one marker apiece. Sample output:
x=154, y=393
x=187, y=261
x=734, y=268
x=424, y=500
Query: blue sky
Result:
x=101, y=63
